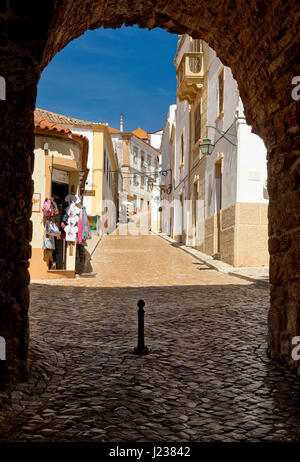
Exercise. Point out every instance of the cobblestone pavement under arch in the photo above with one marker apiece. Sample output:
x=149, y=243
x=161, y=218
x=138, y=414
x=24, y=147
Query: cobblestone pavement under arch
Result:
x=208, y=377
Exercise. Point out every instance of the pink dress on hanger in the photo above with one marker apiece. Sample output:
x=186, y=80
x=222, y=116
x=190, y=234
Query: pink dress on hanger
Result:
x=80, y=227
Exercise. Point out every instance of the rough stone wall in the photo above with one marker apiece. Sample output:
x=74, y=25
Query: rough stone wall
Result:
x=259, y=40
x=16, y=167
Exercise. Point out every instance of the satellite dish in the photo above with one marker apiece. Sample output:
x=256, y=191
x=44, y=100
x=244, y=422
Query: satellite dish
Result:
x=157, y=199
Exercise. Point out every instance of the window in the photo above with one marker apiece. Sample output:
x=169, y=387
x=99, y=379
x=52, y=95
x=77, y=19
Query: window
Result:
x=196, y=61
x=181, y=149
x=197, y=46
x=221, y=92
x=197, y=123
x=135, y=180
x=135, y=155
x=142, y=181
x=142, y=160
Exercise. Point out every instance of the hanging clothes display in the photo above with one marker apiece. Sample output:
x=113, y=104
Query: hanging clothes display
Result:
x=47, y=208
x=72, y=212
x=83, y=226
x=69, y=223
x=71, y=232
x=48, y=243
x=50, y=208
x=72, y=198
x=52, y=229
x=73, y=220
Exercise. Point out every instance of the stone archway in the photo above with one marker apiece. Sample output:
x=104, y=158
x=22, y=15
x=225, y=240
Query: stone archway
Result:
x=257, y=39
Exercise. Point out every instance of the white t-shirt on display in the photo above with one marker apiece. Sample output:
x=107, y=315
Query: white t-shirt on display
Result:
x=72, y=210
x=71, y=232
x=73, y=220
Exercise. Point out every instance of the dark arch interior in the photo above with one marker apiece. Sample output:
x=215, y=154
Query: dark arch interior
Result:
x=258, y=40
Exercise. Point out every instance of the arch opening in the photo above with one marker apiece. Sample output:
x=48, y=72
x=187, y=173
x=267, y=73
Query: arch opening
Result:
x=257, y=41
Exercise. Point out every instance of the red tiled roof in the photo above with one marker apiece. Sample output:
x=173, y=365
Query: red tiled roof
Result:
x=43, y=124
x=58, y=118
x=113, y=130
x=140, y=133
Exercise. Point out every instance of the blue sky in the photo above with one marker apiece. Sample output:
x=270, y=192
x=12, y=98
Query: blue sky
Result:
x=107, y=71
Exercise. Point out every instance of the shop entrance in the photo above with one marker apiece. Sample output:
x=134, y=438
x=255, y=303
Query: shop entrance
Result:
x=59, y=192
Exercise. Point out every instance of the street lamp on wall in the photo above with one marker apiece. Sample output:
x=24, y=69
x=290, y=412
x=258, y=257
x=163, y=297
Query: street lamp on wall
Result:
x=206, y=146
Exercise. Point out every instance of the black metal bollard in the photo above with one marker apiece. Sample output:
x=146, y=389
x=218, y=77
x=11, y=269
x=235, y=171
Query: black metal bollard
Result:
x=141, y=349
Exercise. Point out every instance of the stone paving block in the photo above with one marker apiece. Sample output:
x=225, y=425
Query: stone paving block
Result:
x=207, y=377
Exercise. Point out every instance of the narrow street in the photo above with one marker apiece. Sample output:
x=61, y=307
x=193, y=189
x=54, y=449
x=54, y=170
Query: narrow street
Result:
x=207, y=378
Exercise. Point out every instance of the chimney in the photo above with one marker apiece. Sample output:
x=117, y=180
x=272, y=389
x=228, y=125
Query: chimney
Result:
x=121, y=122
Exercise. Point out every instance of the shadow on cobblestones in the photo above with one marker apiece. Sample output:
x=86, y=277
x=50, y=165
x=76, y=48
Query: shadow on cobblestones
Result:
x=207, y=378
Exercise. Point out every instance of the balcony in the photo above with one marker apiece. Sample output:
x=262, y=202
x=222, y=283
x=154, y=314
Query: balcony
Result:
x=190, y=76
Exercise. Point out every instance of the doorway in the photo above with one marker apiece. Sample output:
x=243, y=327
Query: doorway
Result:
x=149, y=215
x=218, y=178
x=182, y=218
x=195, y=197
x=59, y=192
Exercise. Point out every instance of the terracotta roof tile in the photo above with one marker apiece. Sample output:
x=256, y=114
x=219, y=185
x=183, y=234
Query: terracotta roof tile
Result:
x=140, y=133
x=58, y=118
x=113, y=130
x=44, y=124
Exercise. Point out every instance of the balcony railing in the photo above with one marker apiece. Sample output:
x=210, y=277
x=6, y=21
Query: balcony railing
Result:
x=190, y=76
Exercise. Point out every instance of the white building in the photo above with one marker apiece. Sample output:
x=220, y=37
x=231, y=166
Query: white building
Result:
x=167, y=148
x=139, y=162
x=155, y=138
x=103, y=180
x=222, y=193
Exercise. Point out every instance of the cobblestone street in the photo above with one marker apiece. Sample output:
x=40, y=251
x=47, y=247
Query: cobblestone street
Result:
x=208, y=377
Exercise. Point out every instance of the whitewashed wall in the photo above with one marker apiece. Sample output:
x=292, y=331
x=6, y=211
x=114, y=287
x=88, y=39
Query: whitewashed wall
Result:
x=252, y=165
x=155, y=139
x=244, y=166
x=182, y=126
x=165, y=161
x=88, y=133
x=231, y=99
